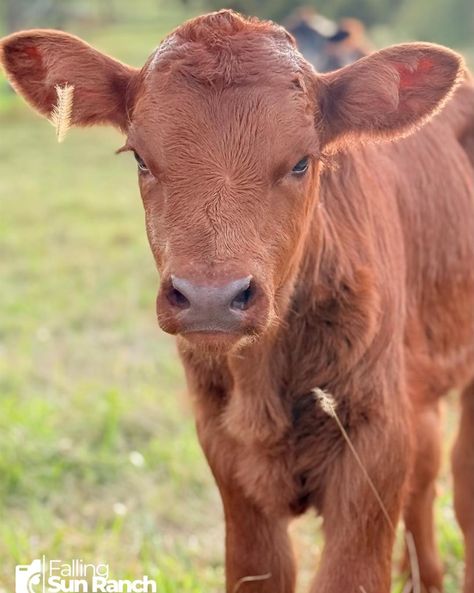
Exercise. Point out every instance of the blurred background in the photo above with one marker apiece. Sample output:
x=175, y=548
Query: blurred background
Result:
x=98, y=456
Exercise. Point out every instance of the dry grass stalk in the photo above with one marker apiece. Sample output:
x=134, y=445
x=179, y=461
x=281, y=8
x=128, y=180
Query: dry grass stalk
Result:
x=329, y=406
x=62, y=111
x=250, y=579
x=414, y=566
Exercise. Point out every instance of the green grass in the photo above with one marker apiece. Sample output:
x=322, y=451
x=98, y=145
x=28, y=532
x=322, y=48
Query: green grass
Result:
x=98, y=456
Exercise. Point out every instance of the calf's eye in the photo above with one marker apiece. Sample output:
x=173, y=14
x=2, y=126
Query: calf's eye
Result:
x=140, y=162
x=301, y=166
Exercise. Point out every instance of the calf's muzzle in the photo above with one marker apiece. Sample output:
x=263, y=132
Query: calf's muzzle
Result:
x=187, y=306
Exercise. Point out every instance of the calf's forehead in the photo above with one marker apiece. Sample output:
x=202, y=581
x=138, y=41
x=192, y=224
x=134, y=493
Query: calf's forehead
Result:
x=172, y=114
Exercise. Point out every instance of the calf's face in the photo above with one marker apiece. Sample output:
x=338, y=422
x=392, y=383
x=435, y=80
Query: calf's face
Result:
x=228, y=124
x=227, y=178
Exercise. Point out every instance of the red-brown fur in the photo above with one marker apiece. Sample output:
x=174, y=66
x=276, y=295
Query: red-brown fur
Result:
x=364, y=269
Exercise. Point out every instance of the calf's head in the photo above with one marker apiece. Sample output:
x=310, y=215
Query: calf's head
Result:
x=228, y=125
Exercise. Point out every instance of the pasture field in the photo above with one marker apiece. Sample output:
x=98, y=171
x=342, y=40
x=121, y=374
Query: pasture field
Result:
x=98, y=455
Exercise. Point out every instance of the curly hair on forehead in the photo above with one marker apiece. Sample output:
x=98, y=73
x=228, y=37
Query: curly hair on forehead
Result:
x=217, y=26
x=225, y=48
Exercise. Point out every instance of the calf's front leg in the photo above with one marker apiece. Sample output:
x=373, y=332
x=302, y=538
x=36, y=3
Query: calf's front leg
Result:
x=259, y=557
x=359, y=537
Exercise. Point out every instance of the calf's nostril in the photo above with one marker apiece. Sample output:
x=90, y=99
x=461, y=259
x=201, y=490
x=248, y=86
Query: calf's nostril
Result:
x=243, y=299
x=177, y=299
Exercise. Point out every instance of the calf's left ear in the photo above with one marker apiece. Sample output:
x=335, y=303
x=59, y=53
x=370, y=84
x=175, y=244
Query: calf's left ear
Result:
x=38, y=61
x=387, y=94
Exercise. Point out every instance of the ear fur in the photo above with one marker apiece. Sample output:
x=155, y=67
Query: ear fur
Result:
x=389, y=93
x=38, y=61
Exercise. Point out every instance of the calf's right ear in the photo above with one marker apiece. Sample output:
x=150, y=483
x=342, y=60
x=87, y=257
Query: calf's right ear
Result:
x=37, y=61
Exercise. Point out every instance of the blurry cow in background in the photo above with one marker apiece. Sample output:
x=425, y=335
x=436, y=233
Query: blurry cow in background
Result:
x=326, y=44
x=356, y=45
